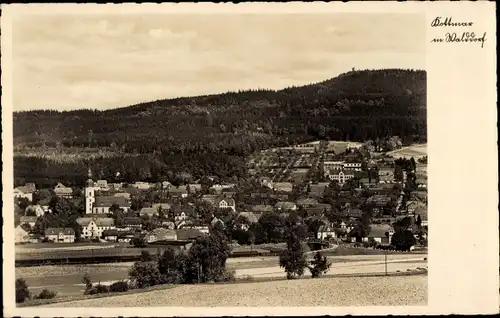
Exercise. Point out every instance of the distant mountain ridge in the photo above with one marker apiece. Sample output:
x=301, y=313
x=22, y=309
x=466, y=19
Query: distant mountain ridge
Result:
x=357, y=106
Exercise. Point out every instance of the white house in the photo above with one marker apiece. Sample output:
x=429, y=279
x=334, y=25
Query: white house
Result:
x=23, y=192
x=356, y=166
x=325, y=232
x=141, y=185
x=340, y=176
x=102, y=185
x=60, y=235
x=94, y=227
x=102, y=204
x=62, y=191
x=225, y=203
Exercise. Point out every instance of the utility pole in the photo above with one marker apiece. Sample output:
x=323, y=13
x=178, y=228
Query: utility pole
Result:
x=385, y=255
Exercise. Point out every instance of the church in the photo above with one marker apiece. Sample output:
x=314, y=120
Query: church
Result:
x=99, y=204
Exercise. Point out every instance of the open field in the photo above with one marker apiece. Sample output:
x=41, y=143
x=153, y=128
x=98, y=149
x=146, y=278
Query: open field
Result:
x=338, y=291
x=75, y=250
x=415, y=151
x=67, y=279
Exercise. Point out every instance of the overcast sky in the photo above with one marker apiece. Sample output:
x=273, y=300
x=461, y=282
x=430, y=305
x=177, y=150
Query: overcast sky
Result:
x=102, y=62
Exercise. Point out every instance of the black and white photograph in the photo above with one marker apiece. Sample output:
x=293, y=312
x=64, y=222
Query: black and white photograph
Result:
x=220, y=159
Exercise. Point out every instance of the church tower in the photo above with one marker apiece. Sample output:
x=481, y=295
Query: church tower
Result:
x=89, y=194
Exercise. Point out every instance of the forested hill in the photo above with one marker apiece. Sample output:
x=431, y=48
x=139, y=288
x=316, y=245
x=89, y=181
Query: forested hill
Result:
x=357, y=105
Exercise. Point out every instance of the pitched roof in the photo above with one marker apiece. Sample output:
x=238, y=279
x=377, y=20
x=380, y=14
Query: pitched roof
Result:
x=285, y=205
x=209, y=197
x=262, y=208
x=162, y=233
x=164, y=206
x=148, y=211
x=379, y=230
x=378, y=199
x=61, y=188
x=283, y=186
x=58, y=230
x=194, y=187
x=98, y=221
x=307, y=201
x=250, y=216
x=325, y=228
x=28, y=219
x=131, y=221
x=25, y=189
x=422, y=211
x=188, y=234
x=229, y=201
x=179, y=189
x=111, y=232
x=319, y=187
x=108, y=201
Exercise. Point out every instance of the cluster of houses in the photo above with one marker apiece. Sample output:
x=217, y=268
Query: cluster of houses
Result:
x=101, y=196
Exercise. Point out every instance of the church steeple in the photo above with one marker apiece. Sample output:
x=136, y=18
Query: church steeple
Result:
x=90, y=182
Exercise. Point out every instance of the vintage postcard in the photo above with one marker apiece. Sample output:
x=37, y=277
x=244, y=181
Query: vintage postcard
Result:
x=249, y=159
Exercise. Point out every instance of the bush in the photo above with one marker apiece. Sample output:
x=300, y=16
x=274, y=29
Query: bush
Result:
x=229, y=275
x=145, y=274
x=88, y=283
x=403, y=240
x=146, y=256
x=22, y=291
x=138, y=242
x=95, y=240
x=99, y=289
x=46, y=294
x=170, y=266
x=319, y=265
x=118, y=287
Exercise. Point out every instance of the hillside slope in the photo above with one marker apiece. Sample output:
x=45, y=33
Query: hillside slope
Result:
x=183, y=133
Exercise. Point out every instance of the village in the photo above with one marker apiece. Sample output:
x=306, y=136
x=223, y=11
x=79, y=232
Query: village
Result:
x=346, y=193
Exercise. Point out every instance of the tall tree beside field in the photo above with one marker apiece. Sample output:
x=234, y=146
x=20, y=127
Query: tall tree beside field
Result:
x=293, y=259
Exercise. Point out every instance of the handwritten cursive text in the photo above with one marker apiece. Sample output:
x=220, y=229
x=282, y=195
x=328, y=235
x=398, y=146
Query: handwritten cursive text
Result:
x=449, y=23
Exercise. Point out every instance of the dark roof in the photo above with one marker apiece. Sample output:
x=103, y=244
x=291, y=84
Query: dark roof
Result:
x=188, y=234
x=111, y=232
x=378, y=199
x=108, y=201
x=44, y=202
x=379, y=230
x=131, y=221
x=58, y=230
